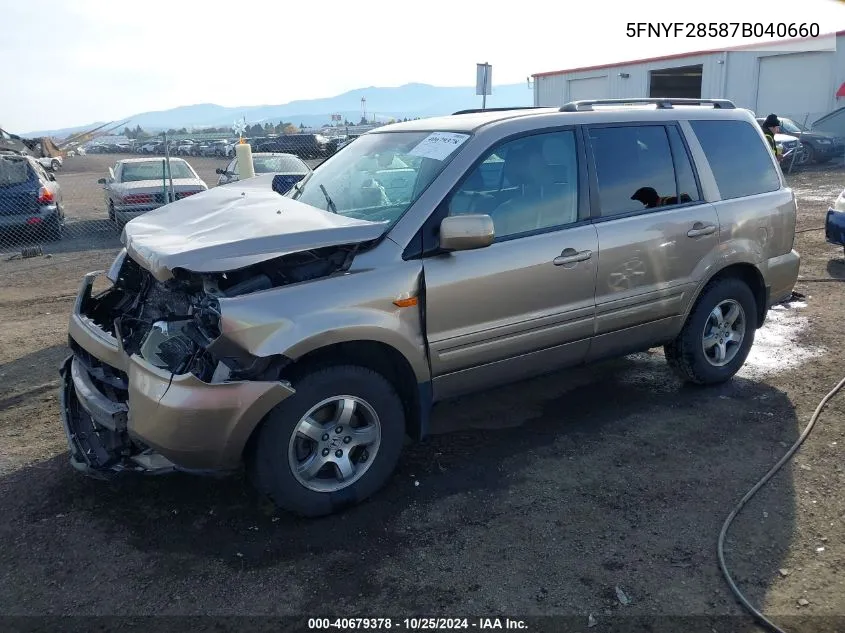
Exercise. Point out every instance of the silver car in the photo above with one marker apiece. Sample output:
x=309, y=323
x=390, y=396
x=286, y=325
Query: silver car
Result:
x=137, y=185
x=288, y=168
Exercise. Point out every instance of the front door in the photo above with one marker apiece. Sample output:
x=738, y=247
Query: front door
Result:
x=525, y=304
x=654, y=233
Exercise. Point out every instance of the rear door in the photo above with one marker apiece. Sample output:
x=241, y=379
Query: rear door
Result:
x=654, y=232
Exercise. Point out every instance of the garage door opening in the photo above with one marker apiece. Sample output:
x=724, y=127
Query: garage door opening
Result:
x=680, y=83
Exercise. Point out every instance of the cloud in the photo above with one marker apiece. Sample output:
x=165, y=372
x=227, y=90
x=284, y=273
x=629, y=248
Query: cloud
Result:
x=88, y=60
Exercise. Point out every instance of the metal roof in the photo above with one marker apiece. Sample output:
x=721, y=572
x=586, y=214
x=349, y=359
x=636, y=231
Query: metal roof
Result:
x=679, y=56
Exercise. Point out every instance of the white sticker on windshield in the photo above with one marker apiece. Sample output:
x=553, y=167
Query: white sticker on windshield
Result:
x=438, y=145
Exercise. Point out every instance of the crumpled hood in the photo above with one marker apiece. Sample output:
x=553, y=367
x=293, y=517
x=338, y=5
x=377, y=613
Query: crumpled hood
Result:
x=233, y=226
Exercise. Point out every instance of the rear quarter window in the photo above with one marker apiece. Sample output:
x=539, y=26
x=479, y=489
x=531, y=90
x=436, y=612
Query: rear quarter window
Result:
x=741, y=162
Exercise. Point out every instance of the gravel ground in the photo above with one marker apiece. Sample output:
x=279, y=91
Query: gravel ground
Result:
x=538, y=499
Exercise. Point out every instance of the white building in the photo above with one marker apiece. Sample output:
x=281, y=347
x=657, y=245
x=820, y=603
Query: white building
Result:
x=799, y=79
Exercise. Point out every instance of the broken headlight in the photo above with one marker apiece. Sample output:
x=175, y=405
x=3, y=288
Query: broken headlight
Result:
x=167, y=346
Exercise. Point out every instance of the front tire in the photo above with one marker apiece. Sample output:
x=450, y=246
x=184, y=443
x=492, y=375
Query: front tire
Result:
x=809, y=155
x=332, y=444
x=718, y=334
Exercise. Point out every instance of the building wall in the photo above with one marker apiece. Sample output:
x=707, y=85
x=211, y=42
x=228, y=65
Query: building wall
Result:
x=799, y=85
x=554, y=90
x=803, y=87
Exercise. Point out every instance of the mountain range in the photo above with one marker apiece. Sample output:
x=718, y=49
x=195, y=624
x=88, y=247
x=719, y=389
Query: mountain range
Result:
x=382, y=104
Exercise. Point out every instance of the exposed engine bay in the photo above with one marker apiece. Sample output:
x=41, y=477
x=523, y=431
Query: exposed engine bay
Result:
x=175, y=325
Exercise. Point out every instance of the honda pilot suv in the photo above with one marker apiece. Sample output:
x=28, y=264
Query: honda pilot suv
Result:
x=305, y=335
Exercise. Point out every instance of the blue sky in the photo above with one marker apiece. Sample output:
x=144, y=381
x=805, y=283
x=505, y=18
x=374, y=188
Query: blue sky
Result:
x=106, y=59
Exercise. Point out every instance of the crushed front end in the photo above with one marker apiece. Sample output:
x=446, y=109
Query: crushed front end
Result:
x=151, y=385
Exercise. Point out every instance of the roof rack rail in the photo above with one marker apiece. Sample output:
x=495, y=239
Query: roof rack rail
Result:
x=476, y=110
x=661, y=102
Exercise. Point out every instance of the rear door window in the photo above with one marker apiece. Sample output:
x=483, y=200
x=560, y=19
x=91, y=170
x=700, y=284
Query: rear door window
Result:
x=741, y=163
x=634, y=169
x=13, y=171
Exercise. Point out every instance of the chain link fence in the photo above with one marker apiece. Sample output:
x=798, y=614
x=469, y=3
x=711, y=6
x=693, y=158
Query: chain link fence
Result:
x=62, y=210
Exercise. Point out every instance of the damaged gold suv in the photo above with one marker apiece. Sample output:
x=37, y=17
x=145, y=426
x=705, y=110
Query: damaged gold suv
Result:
x=306, y=335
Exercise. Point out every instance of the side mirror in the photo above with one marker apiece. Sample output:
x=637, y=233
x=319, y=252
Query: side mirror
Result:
x=466, y=232
x=101, y=181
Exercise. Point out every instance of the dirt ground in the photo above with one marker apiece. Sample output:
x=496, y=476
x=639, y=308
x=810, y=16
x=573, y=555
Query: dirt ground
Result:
x=539, y=499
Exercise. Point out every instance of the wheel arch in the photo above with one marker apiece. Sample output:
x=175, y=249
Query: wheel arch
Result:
x=748, y=273
x=380, y=357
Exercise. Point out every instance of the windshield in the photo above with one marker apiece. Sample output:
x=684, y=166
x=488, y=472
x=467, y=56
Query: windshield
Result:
x=154, y=170
x=788, y=126
x=278, y=164
x=380, y=175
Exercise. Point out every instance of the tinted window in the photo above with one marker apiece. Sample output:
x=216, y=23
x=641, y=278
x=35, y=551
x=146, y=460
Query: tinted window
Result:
x=687, y=185
x=634, y=168
x=740, y=161
x=527, y=184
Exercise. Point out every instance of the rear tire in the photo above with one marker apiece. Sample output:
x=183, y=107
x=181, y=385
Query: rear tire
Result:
x=284, y=464
x=54, y=165
x=705, y=352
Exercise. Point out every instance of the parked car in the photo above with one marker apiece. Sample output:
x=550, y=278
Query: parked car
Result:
x=185, y=148
x=306, y=335
x=53, y=163
x=149, y=148
x=302, y=145
x=30, y=198
x=217, y=148
x=834, y=226
x=289, y=168
x=138, y=185
x=205, y=148
x=819, y=147
x=343, y=142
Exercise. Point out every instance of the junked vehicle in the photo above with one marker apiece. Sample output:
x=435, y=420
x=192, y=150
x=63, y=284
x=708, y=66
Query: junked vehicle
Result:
x=288, y=168
x=30, y=199
x=306, y=335
x=138, y=185
x=53, y=163
x=816, y=146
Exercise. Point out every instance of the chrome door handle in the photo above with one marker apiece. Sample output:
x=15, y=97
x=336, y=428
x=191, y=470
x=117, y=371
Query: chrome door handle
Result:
x=698, y=229
x=571, y=256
